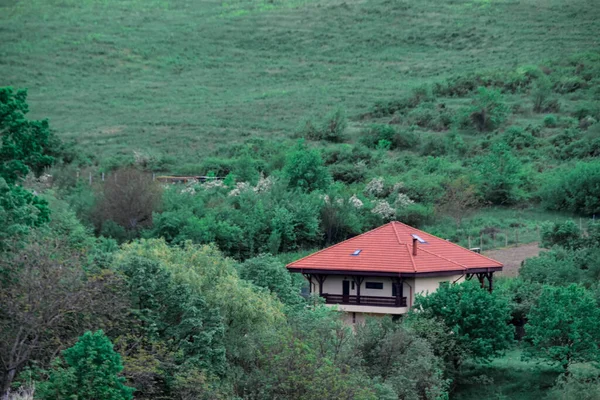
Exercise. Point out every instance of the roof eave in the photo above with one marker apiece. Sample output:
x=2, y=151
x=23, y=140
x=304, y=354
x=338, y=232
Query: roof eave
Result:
x=326, y=271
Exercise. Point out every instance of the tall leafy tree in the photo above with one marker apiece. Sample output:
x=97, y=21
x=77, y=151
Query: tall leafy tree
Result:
x=20, y=210
x=268, y=272
x=477, y=319
x=47, y=299
x=500, y=176
x=564, y=327
x=91, y=372
x=171, y=311
x=305, y=169
x=25, y=145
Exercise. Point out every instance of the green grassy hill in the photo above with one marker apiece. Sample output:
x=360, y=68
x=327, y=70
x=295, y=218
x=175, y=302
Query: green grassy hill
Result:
x=177, y=79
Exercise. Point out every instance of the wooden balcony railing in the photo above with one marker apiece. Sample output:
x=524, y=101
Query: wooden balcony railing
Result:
x=365, y=300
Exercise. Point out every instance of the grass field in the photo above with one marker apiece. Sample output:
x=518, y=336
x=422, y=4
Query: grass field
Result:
x=181, y=78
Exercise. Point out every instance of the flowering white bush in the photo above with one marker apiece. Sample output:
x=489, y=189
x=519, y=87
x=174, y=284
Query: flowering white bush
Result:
x=355, y=202
x=264, y=184
x=384, y=210
x=212, y=184
x=403, y=201
x=325, y=198
x=375, y=187
x=398, y=186
x=239, y=188
x=19, y=394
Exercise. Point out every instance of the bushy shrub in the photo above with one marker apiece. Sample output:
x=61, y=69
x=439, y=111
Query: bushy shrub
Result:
x=565, y=234
x=575, y=189
x=501, y=176
x=128, y=198
x=487, y=112
x=218, y=166
x=587, y=388
x=542, y=97
x=348, y=173
x=550, y=121
x=305, y=169
x=519, y=139
x=331, y=129
x=430, y=115
x=387, y=108
x=91, y=372
x=384, y=133
x=346, y=153
x=587, y=109
x=415, y=214
x=569, y=84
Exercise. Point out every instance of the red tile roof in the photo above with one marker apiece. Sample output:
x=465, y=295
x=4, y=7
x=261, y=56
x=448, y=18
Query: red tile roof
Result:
x=389, y=249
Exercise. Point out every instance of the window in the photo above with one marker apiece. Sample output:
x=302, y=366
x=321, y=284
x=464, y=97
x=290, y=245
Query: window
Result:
x=356, y=252
x=374, y=285
x=395, y=288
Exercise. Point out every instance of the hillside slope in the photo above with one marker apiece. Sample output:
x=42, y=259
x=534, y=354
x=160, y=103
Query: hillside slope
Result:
x=180, y=77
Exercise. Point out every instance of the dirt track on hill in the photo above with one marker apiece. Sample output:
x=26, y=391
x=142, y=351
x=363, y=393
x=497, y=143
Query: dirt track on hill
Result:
x=512, y=257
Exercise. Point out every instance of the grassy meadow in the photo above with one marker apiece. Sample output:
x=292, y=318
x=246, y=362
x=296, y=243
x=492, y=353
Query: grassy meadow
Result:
x=183, y=79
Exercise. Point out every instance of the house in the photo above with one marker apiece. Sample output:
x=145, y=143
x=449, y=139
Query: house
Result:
x=381, y=271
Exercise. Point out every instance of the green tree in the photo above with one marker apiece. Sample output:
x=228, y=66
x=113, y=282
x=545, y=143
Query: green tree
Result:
x=575, y=189
x=91, y=372
x=488, y=110
x=25, y=145
x=477, y=319
x=268, y=272
x=565, y=234
x=172, y=311
x=49, y=298
x=500, y=176
x=305, y=169
x=20, y=210
x=403, y=360
x=564, y=327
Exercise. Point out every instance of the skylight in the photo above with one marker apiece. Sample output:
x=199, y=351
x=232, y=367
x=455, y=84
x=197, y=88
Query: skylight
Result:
x=418, y=238
x=356, y=252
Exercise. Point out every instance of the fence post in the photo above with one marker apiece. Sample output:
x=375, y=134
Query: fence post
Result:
x=505, y=238
x=90, y=178
x=517, y=236
x=103, y=177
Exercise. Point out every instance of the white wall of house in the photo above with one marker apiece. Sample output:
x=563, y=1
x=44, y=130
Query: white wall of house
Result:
x=411, y=286
x=431, y=283
x=334, y=285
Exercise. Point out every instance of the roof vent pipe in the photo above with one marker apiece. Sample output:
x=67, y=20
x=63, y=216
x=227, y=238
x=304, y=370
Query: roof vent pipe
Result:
x=415, y=241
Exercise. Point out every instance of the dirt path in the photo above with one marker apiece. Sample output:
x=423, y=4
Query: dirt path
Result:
x=512, y=257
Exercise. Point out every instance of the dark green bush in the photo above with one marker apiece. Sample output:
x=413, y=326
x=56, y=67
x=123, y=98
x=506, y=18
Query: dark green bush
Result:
x=550, y=121
x=565, y=234
x=432, y=116
x=348, y=172
x=587, y=109
x=519, y=139
x=575, y=189
x=331, y=129
x=569, y=84
x=376, y=133
x=487, y=112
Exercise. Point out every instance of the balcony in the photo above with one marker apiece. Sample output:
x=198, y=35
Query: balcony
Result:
x=364, y=300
